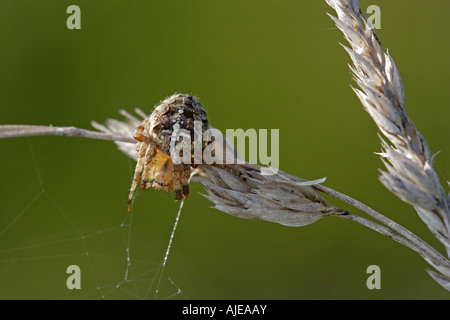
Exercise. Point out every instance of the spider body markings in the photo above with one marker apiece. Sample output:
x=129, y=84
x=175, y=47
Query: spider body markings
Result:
x=158, y=137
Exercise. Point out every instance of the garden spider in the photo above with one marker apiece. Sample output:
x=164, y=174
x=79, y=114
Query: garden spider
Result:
x=158, y=137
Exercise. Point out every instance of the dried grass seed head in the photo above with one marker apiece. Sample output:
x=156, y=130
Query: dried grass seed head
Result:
x=409, y=161
x=242, y=191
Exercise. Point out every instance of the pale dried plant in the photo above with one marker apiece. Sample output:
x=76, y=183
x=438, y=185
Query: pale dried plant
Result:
x=242, y=191
x=409, y=162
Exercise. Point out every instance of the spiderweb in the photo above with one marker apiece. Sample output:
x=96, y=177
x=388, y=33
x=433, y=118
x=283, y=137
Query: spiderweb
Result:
x=35, y=266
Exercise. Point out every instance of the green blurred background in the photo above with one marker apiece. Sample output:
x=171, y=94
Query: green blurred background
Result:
x=253, y=64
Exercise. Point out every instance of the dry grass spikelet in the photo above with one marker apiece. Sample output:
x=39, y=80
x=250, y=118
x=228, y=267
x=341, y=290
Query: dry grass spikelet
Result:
x=409, y=162
x=242, y=191
x=410, y=174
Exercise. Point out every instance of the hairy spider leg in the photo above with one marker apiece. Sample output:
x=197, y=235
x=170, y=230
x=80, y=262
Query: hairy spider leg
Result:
x=137, y=173
x=149, y=155
x=177, y=174
x=185, y=179
x=141, y=147
x=181, y=175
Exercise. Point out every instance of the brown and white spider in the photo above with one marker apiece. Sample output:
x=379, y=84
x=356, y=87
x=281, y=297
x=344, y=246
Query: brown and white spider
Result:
x=158, y=139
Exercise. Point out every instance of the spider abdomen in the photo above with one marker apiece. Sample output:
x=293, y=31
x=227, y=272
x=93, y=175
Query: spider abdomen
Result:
x=176, y=113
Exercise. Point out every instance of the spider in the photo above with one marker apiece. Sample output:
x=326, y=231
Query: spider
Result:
x=157, y=136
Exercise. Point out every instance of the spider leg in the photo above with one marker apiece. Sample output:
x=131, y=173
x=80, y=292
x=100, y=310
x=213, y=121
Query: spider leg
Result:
x=177, y=174
x=181, y=174
x=148, y=158
x=137, y=173
x=185, y=179
x=138, y=134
